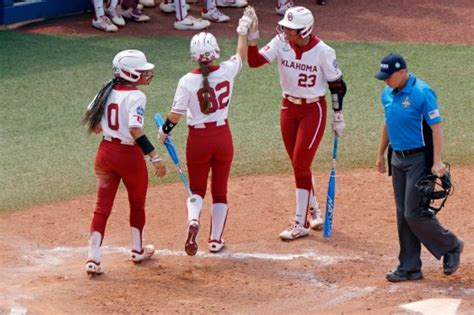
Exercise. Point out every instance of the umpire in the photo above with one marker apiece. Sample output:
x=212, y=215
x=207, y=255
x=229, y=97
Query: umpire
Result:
x=414, y=131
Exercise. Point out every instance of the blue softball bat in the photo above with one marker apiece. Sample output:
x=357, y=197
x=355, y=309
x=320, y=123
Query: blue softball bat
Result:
x=174, y=156
x=331, y=193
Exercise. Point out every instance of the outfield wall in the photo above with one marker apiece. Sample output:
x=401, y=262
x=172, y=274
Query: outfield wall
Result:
x=16, y=12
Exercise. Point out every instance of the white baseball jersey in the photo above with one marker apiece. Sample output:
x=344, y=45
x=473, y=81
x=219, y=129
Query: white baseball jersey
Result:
x=124, y=109
x=303, y=73
x=190, y=90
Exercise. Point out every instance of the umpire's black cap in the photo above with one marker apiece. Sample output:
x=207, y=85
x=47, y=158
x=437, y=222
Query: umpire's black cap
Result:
x=390, y=64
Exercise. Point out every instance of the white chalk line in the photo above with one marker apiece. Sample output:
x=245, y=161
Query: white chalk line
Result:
x=56, y=256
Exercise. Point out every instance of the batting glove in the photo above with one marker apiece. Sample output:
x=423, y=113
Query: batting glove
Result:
x=246, y=21
x=338, y=123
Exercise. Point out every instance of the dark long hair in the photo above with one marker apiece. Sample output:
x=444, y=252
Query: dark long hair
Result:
x=205, y=103
x=93, y=115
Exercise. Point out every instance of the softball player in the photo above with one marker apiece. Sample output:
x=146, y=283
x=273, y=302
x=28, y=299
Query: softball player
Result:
x=204, y=95
x=305, y=65
x=118, y=112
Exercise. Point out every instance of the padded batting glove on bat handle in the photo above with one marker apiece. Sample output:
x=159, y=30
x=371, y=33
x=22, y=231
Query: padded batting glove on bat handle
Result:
x=338, y=123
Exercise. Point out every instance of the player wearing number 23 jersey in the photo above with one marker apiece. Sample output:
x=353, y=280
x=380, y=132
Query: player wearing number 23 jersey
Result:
x=305, y=65
x=204, y=96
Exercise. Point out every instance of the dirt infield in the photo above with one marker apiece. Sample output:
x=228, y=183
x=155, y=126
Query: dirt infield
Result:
x=43, y=249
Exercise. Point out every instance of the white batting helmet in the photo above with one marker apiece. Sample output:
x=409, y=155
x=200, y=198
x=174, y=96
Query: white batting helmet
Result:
x=204, y=47
x=298, y=18
x=128, y=65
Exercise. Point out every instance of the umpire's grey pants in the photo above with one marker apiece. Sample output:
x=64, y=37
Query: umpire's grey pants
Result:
x=415, y=228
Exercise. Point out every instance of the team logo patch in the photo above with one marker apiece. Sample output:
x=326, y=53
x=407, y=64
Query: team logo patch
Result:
x=434, y=114
x=335, y=64
x=139, y=118
x=140, y=111
x=406, y=103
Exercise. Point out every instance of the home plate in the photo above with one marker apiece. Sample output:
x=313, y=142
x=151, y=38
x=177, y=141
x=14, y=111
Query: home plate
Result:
x=434, y=306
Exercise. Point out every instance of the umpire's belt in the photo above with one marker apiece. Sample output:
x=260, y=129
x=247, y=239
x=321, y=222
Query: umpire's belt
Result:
x=301, y=101
x=406, y=153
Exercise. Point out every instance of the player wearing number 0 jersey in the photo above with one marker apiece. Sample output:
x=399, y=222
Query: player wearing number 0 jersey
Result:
x=118, y=112
x=305, y=65
x=204, y=95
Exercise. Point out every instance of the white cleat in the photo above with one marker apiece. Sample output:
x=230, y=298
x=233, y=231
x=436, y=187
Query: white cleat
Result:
x=231, y=3
x=191, y=23
x=93, y=269
x=216, y=246
x=280, y=10
x=316, y=219
x=115, y=16
x=169, y=7
x=146, y=253
x=103, y=23
x=214, y=15
x=148, y=3
x=294, y=231
x=135, y=15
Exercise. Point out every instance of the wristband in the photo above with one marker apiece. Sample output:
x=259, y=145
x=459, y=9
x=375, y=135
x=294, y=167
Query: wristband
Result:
x=168, y=126
x=155, y=159
x=144, y=144
x=253, y=35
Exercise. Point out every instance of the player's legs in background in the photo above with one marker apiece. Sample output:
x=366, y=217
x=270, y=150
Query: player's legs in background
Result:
x=113, y=11
x=211, y=13
x=232, y=3
x=131, y=11
x=101, y=21
x=185, y=21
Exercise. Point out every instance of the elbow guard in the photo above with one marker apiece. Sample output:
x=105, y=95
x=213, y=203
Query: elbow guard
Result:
x=338, y=90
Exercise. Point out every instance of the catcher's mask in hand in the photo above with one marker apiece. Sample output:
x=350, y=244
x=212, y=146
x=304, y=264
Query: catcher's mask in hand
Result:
x=434, y=192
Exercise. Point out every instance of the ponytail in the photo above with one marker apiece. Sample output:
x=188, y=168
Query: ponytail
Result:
x=94, y=113
x=205, y=103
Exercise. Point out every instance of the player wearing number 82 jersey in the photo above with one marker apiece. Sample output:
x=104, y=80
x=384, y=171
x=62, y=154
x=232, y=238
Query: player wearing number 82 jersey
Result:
x=204, y=95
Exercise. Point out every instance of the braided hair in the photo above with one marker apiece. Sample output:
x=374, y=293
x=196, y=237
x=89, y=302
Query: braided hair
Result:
x=94, y=113
x=205, y=103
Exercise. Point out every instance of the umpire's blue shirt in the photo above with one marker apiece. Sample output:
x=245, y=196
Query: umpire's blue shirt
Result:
x=405, y=110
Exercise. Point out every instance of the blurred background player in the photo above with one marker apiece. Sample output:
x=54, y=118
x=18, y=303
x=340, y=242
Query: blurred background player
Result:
x=111, y=14
x=117, y=112
x=101, y=21
x=204, y=95
x=184, y=21
x=305, y=65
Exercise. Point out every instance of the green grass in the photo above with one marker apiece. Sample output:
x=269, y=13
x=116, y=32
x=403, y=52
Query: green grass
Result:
x=46, y=82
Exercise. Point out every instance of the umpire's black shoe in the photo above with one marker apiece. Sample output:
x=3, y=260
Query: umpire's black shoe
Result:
x=398, y=275
x=452, y=259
